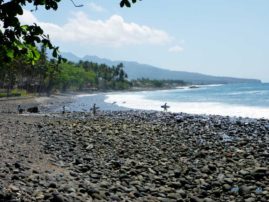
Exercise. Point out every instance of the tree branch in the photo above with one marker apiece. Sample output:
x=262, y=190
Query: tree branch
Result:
x=76, y=5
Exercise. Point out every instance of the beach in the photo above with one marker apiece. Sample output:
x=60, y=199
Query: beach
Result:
x=129, y=155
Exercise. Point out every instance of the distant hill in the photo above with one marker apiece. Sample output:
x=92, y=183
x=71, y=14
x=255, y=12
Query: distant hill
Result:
x=136, y=70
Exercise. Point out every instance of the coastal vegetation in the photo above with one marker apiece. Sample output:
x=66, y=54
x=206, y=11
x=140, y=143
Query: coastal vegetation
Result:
x=18, y=77
x=25, y=69
x=46, y=76
x=155, y=83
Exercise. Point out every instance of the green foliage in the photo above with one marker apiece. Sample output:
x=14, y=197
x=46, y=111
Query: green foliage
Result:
x=23, y=65
x=20, y=92
x=148, y=83
x=72, y=76
x=22, y=40
x=46, y=76
x=13, y=93
x=107, y=78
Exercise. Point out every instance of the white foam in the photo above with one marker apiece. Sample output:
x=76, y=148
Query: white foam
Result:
x=85, y=95
x=257, y=92
x=198, y=87
x=212, y=85
x=137, y=101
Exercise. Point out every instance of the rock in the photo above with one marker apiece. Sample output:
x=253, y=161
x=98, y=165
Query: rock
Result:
x=251, y=199
x=57, y=198
x=175, y=185
x=177, y=173
x=53, y=185
x=195, y=199
x=174, y=196
x=89, y=147
x=33, y=110
x=182, y=193
x=243, y=172
x=244, y=190
x=39, y=196
x=208, y=200
x=228, y=180
x=95, y=176
x=227, y=187
x=17, y=165
x=205, y=169
x=260, y=172
x=152, y=158
x=13, y=188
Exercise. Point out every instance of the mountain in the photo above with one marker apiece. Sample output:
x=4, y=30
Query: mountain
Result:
x=71, y=57
x=136, y=70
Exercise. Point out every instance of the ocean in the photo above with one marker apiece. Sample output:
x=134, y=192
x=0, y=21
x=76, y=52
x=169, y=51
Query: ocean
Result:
x=240, y=100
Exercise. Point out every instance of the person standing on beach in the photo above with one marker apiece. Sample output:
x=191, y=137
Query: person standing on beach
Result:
x=94, y=109
x=165, y=107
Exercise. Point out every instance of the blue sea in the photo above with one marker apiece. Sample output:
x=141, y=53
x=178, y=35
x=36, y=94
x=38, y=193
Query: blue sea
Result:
x=244, y=100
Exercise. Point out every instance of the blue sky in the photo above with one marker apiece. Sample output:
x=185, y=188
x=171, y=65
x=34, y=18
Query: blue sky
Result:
x=217, y=37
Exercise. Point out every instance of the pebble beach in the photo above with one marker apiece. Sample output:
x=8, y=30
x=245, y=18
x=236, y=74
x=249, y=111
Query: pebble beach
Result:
x=127, y=155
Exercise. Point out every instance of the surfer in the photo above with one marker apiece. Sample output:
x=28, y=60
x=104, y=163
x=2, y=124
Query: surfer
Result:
x=94, y=109
x=165, y=107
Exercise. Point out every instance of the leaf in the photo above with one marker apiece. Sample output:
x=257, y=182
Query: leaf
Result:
x=19, y=10
x=55, y=52
x=24, y=28
x=127, y=3
x=10, y=53
x=121, y=3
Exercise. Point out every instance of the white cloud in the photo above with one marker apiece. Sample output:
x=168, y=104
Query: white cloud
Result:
x=27, y=17
x=176, y=49
x=114, y=31
x=96, y=7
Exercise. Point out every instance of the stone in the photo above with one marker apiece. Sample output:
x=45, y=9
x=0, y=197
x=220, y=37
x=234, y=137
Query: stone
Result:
x=17, y=165
x=245, y=190
x=53, y=185
x=57, y=198
x=195, y=199
x=13, y=188
x=39, y=196
x=243, y=172
x=251, y=199
x=174, y=196
x=89, y=147
x=208, y=200
x=33, y=110
x=227, y=187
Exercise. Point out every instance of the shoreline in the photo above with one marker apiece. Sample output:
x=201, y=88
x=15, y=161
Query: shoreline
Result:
x=54, y=104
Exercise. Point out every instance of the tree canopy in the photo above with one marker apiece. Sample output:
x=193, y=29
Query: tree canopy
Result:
x=17, y=39
x=46, y=76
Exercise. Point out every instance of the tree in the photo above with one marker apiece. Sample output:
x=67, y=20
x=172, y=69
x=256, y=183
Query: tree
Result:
x=22, y=40
x=73, y=76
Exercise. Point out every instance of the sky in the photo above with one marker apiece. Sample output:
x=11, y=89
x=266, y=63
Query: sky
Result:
x=216, y=37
